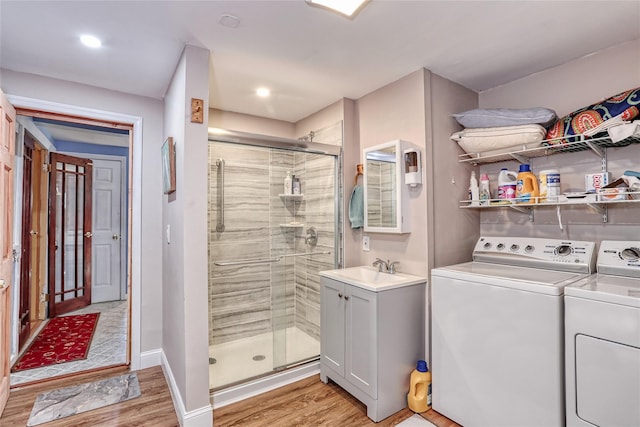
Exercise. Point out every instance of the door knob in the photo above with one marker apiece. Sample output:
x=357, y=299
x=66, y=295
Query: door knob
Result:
x=88, y=234
x=2, y=284
x=115, y=237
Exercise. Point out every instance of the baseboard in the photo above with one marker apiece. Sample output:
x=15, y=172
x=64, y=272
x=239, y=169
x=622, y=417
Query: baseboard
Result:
x=150, y=358
x=253, y=388
x=201, y=417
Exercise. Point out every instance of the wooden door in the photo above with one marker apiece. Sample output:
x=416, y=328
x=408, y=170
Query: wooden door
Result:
x=70, y=235
x=106, y=283
x=7, y=159
x=24, y=307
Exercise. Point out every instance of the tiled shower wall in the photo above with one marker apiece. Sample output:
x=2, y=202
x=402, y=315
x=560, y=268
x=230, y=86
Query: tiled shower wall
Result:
x=251, y=299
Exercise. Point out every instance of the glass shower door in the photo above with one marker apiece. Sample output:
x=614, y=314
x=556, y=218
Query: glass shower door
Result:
x=263, y=268
x=306, y=243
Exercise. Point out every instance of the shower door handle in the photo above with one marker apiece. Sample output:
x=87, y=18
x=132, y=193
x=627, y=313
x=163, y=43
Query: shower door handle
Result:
x=220, y=225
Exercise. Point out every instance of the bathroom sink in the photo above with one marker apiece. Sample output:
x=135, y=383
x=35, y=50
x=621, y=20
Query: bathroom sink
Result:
x=370, y=278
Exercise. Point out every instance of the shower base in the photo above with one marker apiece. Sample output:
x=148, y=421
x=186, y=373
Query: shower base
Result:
x=247, y=358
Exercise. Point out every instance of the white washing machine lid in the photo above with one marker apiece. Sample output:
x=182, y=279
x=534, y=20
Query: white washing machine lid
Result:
x=611, y=289
x=550, y=282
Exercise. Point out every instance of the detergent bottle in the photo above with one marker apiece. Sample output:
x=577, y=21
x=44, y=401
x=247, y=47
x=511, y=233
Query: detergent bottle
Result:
x=507, y=181
x=419, y=397
x=527, y=190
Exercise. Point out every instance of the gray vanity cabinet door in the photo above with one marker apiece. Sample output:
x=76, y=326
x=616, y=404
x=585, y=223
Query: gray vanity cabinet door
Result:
x=361, y=340
x=332, y=324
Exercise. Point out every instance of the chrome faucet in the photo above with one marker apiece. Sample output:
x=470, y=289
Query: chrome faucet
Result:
x=392, y=267
x=380, y=264
x=386, y=266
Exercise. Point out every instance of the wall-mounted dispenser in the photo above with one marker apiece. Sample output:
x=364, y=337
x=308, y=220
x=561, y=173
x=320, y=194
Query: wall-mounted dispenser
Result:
x=412, y=167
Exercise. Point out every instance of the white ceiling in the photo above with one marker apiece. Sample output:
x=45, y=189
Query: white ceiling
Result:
x=307, y=56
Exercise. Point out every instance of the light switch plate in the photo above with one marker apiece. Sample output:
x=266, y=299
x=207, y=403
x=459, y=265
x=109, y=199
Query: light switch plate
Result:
x=197, y=114
x=365, y=244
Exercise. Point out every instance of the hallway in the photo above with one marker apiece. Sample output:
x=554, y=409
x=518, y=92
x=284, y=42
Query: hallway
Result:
x=108, y=346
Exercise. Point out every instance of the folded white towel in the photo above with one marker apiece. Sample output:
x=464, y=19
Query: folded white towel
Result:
x=624, y=130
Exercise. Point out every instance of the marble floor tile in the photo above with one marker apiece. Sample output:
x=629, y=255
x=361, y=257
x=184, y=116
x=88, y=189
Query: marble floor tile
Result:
x=108, y=346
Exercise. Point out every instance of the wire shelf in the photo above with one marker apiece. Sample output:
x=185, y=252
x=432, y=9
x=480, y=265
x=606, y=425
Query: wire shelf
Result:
x=570, y=144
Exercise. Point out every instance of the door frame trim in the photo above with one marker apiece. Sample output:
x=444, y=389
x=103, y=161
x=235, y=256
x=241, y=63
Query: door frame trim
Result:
x=135, y=207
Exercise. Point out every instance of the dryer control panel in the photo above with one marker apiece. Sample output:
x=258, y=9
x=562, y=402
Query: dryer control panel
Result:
x=619, y=258
x=551, y=254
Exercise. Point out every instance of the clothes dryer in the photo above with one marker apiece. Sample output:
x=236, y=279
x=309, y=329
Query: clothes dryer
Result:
x=602, y=340
x=497, y=331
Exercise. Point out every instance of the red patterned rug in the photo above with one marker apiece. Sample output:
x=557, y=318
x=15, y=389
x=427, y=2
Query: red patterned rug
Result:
x=63, y=339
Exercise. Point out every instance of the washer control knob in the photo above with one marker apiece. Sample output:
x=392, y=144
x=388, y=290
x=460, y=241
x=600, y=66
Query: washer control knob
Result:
x=514, y=248
x=529, y=248
x=487, y=245
x=500, y=246
x=630, y=254
x=563, y=250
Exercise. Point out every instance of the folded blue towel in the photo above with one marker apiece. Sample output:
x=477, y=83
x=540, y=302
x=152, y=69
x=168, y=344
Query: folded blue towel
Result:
x=356, y=207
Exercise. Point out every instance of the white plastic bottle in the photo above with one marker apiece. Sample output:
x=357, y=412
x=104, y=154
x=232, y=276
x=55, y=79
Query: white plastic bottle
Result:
x=474, y=190
x=297, y=189
x=507, y=181
x=485, y=192
x=287, y=183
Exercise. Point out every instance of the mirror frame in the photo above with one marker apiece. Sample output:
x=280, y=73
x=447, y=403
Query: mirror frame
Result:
x=402, y=212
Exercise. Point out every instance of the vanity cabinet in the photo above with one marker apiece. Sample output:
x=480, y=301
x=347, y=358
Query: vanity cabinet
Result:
x=371, y=341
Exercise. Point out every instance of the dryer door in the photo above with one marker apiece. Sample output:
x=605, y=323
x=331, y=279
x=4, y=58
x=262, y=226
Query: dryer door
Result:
x=607, y=382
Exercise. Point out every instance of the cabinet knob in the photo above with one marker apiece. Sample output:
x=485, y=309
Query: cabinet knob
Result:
x=346, y=298
x=339, y=295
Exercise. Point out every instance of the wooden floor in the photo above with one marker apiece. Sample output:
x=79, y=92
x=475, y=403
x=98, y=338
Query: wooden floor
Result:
x=153, y=408
x=309, y=402
x=306, y=403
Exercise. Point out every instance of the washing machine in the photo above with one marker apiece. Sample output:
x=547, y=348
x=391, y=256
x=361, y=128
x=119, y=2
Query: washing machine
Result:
x=602, y=333
x=497, y=331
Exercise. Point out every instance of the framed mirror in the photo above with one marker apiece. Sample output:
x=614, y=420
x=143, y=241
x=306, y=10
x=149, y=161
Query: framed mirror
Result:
x=383, y=195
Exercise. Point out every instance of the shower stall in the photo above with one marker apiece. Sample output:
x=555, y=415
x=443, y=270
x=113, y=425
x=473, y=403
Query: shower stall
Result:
x=266, y=248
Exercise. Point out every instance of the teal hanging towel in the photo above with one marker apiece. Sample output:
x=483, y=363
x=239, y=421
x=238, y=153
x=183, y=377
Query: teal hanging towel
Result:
x=356, y=207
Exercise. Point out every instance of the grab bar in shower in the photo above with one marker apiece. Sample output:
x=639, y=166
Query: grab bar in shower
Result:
x=308, y=253
x=220, y=224
x=247, y=261
x=265, y=260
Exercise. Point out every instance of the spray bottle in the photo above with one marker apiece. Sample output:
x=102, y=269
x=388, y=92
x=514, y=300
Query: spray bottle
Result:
x=474, y=191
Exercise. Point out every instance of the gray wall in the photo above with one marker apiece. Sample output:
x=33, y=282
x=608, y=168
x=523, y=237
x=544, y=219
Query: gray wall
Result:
x=184, y=257
x=150, y=223
x=566, y=88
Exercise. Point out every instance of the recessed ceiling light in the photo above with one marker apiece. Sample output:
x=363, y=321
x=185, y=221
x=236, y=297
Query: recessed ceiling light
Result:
x=263, y=92
x=345, y=7
x=90, y=41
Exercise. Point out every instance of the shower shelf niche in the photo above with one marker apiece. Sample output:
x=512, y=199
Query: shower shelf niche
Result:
x=294, y=197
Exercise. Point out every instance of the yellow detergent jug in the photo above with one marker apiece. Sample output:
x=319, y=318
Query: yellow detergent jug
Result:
x=419, y=397
x=527, y=190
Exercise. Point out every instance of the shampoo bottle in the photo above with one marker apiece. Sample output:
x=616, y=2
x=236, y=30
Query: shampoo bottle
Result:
x=288, y=183
x=296, y=186
x=474, y=191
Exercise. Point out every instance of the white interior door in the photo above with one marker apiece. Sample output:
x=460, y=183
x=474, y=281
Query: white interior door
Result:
x=107, y=230
x=7, y=160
